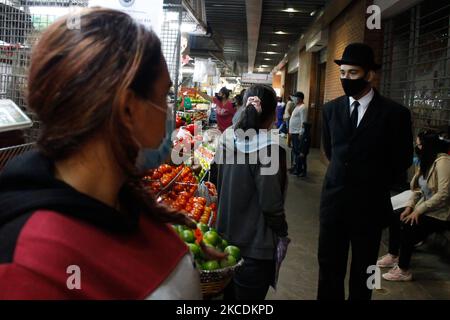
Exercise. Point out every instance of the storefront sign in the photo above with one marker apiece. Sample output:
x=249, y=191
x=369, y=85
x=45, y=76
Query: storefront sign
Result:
x=148, y=12
x=262, y=78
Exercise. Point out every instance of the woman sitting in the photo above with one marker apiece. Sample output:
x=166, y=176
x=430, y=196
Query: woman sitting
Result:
x=428, y=209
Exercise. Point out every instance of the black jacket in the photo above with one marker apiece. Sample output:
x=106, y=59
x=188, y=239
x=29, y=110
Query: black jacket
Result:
x=364, y=165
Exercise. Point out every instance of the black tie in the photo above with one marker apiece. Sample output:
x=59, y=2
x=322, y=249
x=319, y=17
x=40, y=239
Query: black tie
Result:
x=354, y=116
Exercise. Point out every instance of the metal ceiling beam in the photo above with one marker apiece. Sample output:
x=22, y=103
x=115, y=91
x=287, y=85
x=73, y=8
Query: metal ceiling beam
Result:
x=254, y=13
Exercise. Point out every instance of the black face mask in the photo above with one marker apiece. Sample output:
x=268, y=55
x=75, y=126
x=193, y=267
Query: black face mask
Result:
x=353, y=87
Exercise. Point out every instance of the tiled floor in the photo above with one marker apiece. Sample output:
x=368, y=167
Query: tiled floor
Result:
x=299, y=272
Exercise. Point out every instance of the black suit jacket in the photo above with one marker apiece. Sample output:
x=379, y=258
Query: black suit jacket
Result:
x=364, y=164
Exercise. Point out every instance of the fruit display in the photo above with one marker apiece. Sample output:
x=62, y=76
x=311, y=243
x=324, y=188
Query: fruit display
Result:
x=182, y=186
x=160, y=178
x=210, y=238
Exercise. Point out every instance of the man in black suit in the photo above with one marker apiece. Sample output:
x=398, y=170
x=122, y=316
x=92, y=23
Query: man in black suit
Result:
x=368, y=140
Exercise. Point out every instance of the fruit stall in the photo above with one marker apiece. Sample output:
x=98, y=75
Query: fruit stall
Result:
x=181, y=188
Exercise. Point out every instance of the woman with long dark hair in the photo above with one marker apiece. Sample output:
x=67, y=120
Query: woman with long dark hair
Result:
x=428, y=210
x=252, y=183
x=75, y=220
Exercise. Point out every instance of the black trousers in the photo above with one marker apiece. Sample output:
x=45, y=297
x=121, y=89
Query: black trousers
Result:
x=251, y=281
x=410, y=235
x=334, y=243
x=303, y=165
x=295, y=155
x=394, y=233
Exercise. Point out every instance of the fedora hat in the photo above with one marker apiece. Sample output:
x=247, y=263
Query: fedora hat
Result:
x=359, y=54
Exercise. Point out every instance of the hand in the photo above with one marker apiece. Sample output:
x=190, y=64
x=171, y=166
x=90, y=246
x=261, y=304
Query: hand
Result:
x=211, y=253
x=405, y=213
x=412, y=219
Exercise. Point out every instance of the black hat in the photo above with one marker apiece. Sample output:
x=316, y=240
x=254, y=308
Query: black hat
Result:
x=359, y=54
x=299, y=94
x=225, y=90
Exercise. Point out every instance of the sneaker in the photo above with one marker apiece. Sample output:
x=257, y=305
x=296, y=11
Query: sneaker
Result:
x=387, y=261
x=397, y=274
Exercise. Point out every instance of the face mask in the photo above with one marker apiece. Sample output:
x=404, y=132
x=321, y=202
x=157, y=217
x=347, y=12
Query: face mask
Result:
x=353, y=87
x=294, y=100
x=151, y=158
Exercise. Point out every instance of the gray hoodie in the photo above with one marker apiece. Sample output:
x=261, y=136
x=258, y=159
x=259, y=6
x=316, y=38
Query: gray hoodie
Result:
x=251, y=202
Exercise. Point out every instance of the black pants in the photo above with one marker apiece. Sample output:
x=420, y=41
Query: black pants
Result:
x=410, y=235
x=303, y=166
x=394, y=233
x=251, y=281
x=295, y=156
x=334, y=243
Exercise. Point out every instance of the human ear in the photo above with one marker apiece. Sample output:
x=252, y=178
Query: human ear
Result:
x=370, y=75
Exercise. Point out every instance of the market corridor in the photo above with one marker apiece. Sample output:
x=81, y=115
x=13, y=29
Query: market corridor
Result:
x=299, y=273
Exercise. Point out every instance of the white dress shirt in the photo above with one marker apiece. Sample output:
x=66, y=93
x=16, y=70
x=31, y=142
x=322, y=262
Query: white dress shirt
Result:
x=363, y=104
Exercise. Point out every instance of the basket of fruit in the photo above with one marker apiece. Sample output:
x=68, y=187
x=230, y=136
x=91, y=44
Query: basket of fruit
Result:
x=215, y=275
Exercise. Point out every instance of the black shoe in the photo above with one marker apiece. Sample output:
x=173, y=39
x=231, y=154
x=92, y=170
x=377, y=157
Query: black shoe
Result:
x=302, y=175
x=294, y=173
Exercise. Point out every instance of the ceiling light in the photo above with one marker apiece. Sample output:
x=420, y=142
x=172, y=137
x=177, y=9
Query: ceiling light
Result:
x=273, y=44
x=268, y=59
x=290, y=10
x=280, y=32
x=312, y=14
x=264, y=66
x=271, y=52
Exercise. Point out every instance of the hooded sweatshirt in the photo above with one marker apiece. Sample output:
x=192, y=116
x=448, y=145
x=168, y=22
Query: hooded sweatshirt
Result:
x=54, y=239
x=251, y=195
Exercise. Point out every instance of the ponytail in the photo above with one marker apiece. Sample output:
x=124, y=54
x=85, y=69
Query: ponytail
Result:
x=265, y=102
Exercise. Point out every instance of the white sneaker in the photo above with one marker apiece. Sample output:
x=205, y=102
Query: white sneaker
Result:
x=387, y=261
x=397, y=274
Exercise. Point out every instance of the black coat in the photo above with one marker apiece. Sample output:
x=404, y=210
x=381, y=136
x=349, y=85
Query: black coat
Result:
x=364, y=165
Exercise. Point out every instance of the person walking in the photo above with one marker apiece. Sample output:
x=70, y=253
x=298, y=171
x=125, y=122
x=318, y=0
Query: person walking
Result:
x=368, y=142
x=298, y=117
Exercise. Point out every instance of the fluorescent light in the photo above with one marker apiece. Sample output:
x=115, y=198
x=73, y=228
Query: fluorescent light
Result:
x=270, y=52
x=273, y=44
x=264, y=66
x=268, y=59
x=187, y=70
x=172, y=16
x=312, y=14
x=280, y=32
x=290, y=10
x=188, y=27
